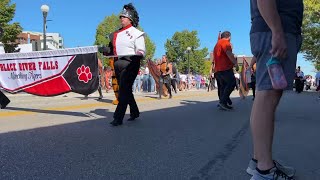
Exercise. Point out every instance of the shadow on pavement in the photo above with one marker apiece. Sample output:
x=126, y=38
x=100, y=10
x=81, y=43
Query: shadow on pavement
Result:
x=68, y=113
x=195, y=140
x=95, y=98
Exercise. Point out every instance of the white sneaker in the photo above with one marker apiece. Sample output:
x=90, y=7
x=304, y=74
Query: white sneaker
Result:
x=275, y=174
x=289, y=171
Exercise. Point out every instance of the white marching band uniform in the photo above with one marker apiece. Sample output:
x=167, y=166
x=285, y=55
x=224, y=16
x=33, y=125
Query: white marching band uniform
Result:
x=129, y=41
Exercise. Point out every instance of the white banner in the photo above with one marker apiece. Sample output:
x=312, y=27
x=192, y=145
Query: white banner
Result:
x=20, y=71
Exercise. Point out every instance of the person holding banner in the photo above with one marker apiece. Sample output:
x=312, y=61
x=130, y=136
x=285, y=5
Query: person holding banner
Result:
x=128, y=45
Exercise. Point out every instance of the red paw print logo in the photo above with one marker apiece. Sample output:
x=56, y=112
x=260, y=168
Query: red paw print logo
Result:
x=84, y=73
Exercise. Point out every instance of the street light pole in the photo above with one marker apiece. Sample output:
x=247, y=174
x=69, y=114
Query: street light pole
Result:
x=188, y=75
x=45, y=10
x=188, y=62
x=188, y=51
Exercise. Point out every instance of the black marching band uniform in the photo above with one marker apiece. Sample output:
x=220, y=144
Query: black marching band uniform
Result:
x=128, y=44
x=174, y=78
x=4, y=100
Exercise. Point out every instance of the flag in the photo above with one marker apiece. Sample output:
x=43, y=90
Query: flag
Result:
x=244, y=89
x=154, y=70
x=50, y=73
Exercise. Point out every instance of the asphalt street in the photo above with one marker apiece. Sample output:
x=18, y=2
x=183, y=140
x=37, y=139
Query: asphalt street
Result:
x=187, y=137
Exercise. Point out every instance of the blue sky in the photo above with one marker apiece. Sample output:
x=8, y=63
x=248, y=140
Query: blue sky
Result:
x=77, y=20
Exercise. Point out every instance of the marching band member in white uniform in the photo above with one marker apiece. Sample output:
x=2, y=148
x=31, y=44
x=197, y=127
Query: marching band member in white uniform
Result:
x=128, y=44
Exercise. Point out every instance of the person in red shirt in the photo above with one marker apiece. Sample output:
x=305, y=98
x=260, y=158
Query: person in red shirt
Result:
x=224, y=61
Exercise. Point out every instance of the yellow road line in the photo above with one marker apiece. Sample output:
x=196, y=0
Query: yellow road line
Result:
x=99, y=104
x=62, y=108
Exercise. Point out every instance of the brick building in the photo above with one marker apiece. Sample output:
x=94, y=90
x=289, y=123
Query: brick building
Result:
x=26, y=38
x=53, y=41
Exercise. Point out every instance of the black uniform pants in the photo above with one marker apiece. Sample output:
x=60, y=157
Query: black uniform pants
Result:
x=126, y=73
x=299, y=85
x=219, y=86
x=226, y=83
x=252, y=85
x=174, y=84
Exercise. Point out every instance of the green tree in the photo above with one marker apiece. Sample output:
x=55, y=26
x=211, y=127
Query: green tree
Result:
x=176, y=48
x=317, y=66
x=11, y=31
x=311, y=31
x=207, y=67
x=111, y=24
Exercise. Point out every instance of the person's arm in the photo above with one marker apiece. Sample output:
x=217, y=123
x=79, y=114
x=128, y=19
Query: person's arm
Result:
x=231, y=57
x=227, y=48
x=253, y=61
x=268, y=10
x=140, y=46
x=107, y=50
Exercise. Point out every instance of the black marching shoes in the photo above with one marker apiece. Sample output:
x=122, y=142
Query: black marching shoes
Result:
x=116, y=122
x=133, y=118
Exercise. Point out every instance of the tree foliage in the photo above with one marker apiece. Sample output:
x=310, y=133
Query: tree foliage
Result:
x=311, y=30
x=11, y=31
x=317, y=65
x=176, y=48
x=207, y=67
x=111, y=24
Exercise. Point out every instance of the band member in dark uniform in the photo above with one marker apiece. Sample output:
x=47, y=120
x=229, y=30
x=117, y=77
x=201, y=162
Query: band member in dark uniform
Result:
x=128, y=44
x=4, y=100
x=299, y=80
x=174, y=77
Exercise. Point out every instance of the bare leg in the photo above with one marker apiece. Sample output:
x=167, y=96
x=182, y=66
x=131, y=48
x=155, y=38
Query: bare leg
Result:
x=262, y=126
